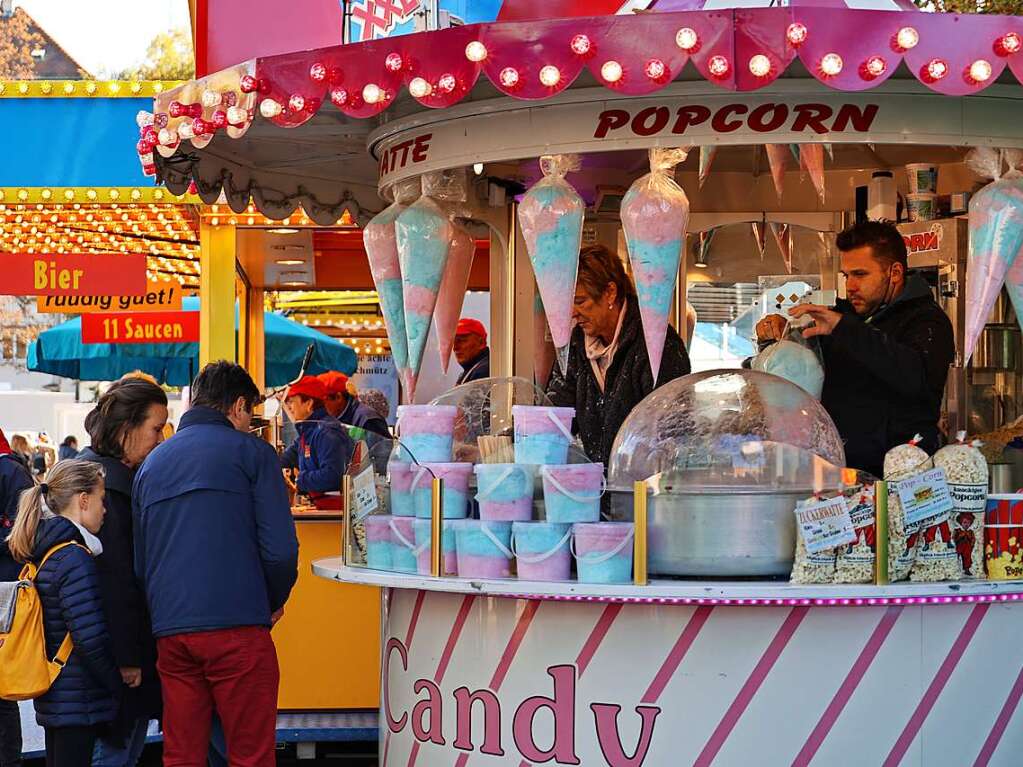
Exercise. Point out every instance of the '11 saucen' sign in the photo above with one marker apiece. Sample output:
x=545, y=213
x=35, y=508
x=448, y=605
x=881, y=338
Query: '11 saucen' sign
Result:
x=73, y=274
x=143, y=328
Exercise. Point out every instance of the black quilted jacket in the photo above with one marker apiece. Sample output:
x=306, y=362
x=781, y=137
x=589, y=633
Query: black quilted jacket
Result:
x=86, y=692
x=599, y=415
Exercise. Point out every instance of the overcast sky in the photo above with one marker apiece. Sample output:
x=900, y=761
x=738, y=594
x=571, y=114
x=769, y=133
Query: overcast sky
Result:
x=106, y=35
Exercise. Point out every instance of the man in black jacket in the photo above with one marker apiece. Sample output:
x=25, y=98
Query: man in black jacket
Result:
x=887, y=349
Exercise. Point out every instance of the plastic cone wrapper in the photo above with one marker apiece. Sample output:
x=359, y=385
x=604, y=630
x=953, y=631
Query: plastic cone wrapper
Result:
x=543, y=345
x=551, y=218
x=706, y=238
x=382, y=252
x=760, y=236
x=453, y=285
x=783, y=237
x=707, y=154
x=423, y=232
x=996, y=237
x=778, y=158
x=811, y=157
x=655, y=213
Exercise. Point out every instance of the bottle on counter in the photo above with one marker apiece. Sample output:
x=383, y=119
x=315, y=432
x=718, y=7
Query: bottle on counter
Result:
x=882, y=197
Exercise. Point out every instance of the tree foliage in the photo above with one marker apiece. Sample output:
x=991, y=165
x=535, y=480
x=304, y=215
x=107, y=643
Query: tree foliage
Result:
x=168, y=57
x=17, y=41
x=1003, y=7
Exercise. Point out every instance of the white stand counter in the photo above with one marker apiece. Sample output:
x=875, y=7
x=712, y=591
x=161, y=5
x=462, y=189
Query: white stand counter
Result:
x=697, y=673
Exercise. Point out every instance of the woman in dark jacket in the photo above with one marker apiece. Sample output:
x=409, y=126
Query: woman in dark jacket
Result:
x=608, y=370
x=83, y=699
x=125, y=426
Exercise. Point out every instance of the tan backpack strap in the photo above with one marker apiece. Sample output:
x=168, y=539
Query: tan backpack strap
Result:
x=64, y=651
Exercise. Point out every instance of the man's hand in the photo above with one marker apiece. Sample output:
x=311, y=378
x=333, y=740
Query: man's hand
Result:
x=131, y=676
x=771, y=328
x=825, y=320
x=276, y=617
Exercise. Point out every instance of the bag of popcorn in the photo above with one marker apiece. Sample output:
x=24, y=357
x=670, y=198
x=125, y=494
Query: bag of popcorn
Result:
x=855, y=561
x=967, y=473
x=818, y=567
x=902, y=462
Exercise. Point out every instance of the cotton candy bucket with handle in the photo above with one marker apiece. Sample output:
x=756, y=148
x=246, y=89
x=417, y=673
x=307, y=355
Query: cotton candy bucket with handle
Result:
x=400, y=476
x=542, y=551
x=426, y=432
x=484, y=548
x=379, y=542
x=505, y=491
x=455, y=496
x=403, y=553
x=572, y=492
x=449, y=560
x=542, y=434
x=603, y=552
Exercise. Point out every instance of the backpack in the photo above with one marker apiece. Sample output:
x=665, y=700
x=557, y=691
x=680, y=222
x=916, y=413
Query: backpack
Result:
x=25, y=670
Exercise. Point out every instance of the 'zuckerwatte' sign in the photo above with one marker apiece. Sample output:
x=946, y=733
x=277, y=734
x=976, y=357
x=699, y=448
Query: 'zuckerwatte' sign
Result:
x=371, y=19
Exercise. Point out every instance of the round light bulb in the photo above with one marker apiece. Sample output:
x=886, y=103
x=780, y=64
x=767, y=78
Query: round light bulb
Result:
x=981, y=71
x=211, y=98
x=831, y=64
x=718, y=66
x=477, y=168
x=796, y=33
x=655, y=69
x=185, y=131
x=394, y=62
x=447, y=83
x=372, y=93
x=509, y=77
x=168, y=136
x=907, y=38
x=936, y=69
x=237, y=115
x=550, y=75
x=419, y=87
x=69, y=88
x=144, y=118
x=875, y=66
x=581, y=45
x=339, y=97
x=475, y=51
x=248, y=84
x=686, y=38
x=318, y=72
x=1009, y=43
x=760, y=65
x=270, y=108
x=296, y=103
x=69, y=194
x=611, y=71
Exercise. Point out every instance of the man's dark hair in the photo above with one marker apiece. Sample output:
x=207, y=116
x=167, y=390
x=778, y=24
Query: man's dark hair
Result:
x=884, y=240
x=122, y=407
x=220, y=384
x=69, y=440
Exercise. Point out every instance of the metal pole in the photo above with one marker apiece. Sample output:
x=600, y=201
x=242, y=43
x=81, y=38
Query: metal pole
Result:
x=346, y=519
x=639, y=504
x=881, y=533
x=436, y=526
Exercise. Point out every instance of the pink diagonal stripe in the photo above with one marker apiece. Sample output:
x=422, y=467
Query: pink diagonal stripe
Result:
x=678, y=652
x=387, y=747
x=420, y=596
x=521, y=627
x=1004, y=716
x=848, y=687
x=596, y=637
x=750, y=688
x=445, y=657
x=937, y=685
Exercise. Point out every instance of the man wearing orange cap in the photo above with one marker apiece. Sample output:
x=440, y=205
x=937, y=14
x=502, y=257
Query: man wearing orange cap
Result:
x=348, y=409
x=471, y=350
x=323, y=448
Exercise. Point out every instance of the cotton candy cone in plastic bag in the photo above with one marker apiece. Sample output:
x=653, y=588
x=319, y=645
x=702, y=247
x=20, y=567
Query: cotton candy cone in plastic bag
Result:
x=811, y=157
x=707, y=154
x=778, y=158
x=453, y=285
x=760, y=236
x=551, y=218
x=543, y=345
x=655, y=213
x=423, y=233
x=382, y=252
x=783, y=238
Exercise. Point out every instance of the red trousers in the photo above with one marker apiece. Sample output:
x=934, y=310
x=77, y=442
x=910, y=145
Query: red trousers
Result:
x=234, y=670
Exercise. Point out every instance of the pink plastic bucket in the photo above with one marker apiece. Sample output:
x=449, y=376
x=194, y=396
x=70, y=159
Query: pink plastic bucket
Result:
x=403, y=552
x=572, y=492
x=505, y=491
x=542, y=551
x=426, y=432
x=603, y=552
x=379, y=542
x=542, y=434
x=455, y=496
x=484, y=548
x=449, y=558
x=400, y=476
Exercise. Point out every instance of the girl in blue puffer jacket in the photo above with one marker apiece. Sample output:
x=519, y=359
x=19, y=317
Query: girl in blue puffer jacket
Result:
x=83, y=698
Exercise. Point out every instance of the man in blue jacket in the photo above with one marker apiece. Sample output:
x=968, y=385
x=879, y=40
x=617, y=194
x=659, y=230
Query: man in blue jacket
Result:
x=323, y=449
x=217, y=555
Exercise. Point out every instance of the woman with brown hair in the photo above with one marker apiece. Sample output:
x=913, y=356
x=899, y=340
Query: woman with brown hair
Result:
x=125, y=426
x=62, y=542
x=608, y=369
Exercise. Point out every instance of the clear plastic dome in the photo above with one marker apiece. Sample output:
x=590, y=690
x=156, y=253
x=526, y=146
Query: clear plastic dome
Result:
x=728, y=429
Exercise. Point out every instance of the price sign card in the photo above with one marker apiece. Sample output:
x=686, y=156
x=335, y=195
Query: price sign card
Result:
x=825, y=524
x=923, y=497
x=364, y=493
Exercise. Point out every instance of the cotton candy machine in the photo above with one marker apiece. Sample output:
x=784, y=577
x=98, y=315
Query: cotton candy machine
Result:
x=727, y=454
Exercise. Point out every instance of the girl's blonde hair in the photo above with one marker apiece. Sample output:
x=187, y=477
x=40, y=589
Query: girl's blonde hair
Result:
x=63, y=482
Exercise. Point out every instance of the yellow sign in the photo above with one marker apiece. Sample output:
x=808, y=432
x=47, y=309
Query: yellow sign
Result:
x=159, y=297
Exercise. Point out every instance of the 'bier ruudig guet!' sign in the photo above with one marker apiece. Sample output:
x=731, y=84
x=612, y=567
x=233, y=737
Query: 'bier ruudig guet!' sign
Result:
x=159, y=297
x=76, y=274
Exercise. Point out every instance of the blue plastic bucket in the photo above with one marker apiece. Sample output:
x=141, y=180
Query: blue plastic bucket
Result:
x=603, y=551
x=403, y=551
x=572, y=492
x=505, y=491
x=542, y=551
x=449, y=558
x=379, y=541
x=483, y=548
